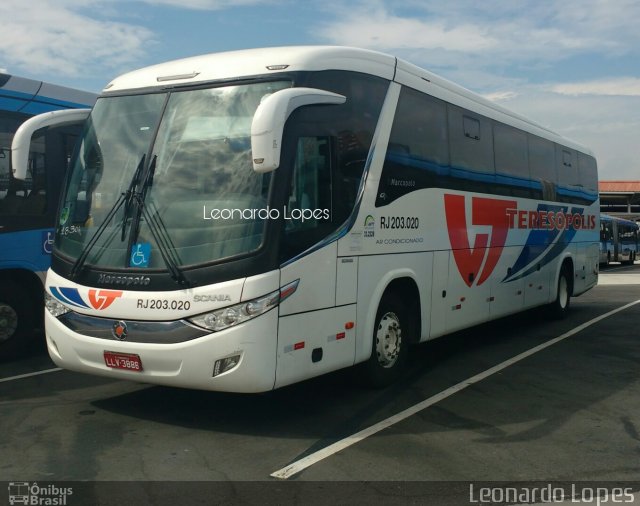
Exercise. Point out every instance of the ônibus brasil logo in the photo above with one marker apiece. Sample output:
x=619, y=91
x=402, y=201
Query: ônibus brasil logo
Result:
x=476, y=263
x=98, y=299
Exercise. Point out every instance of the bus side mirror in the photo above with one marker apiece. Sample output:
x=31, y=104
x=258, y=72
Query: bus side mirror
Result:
x=271, y=115
x=22, y=138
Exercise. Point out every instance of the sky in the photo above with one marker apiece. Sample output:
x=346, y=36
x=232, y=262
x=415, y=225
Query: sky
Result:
x=571, y=65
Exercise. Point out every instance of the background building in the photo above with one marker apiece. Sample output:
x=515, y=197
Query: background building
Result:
x=620, y=198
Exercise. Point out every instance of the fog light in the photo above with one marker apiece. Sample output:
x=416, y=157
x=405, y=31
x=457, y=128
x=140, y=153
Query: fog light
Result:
x=225, y=364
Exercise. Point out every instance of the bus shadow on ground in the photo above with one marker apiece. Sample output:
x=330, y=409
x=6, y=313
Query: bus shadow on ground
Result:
x=545, y=389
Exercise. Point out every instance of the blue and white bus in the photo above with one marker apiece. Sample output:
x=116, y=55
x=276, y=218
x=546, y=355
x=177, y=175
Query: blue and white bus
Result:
x=28, y=207
x=618, y=240
x=242, y=221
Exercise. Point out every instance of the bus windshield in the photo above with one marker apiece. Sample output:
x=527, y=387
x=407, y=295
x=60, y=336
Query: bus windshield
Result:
x=185, y=156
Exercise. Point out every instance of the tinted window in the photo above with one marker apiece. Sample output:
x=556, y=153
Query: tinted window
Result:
x=309, y=205
x=420, y=128
x=511, y=151
x=525, y=164
x=567, y=160
x=542, y=164
x=28, y=197
x=542, y=159
x=470, y=140
x=418, y=152
x=327, y=154
x=512, y=167
x=471, y=128
x=588, y=173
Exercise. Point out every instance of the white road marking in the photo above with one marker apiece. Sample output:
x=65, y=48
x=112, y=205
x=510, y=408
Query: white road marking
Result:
x=28, y=375
x=619, y=279
x=295, y=467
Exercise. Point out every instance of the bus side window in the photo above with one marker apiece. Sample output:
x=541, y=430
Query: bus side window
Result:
x=542, y=165
x=35, y=202
x=11, y=190
x=512, y=160
x=470, y=141
x=567, y=168
x=588, y=174
x=307, y=217
x=418, y=150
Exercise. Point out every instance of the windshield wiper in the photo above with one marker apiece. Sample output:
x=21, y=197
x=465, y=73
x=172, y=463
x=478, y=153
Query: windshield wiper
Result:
x=158, y=229
x=156, y=225
x=124, y=197
x=129, y=196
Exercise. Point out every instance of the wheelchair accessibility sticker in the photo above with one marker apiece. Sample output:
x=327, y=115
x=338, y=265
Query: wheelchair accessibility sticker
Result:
x=140, y=255
x=47, y=242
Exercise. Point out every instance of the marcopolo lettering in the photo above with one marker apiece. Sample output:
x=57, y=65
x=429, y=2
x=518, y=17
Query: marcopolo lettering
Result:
x=111, y=279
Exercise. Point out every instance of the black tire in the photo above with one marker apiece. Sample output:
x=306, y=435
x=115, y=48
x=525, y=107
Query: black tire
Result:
x=631, y=258
x=18, y=319
x=391, y=337
x=559, y=308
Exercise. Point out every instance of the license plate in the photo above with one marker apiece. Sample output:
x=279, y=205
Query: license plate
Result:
x=126, y=361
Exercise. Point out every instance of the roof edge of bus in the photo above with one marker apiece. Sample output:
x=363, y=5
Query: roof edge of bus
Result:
x=49, y=96
x=230, y=65
x=609, y=217
x=251, y=62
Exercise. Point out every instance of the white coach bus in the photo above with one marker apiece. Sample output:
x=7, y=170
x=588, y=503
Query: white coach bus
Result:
x=246, y=220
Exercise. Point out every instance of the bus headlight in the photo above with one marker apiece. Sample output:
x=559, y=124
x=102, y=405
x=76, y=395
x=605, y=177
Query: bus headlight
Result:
x=224, y=318
x=53, y=306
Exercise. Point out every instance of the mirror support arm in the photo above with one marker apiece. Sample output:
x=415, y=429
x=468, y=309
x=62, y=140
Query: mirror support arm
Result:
x=22, y=138
x=272, y=113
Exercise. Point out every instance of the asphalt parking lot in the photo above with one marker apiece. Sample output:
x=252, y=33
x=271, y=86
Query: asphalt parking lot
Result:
x=521, y=399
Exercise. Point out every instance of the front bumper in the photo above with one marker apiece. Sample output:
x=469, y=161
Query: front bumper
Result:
x=187, y=364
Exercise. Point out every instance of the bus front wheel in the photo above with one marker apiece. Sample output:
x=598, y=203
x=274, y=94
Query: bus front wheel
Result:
x=390, y=343
x=17, y=317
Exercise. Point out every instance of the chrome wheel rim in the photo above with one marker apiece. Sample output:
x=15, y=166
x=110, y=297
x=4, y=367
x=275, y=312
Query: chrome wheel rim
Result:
x=388, y=340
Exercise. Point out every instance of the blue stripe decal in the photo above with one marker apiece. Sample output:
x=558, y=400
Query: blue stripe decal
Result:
x=44, y=100
x=11, y=104
x=56, y=293
x=68, y=296
x=72, y=295
x=412, y=161
x=539, y=241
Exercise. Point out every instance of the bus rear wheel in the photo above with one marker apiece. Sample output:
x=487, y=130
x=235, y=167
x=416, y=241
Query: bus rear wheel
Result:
x=17, y=317
x=390, y=343
x=632, y=258
x=560, y=307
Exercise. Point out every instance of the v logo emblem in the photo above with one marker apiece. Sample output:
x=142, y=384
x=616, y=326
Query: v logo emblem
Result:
x=104, y=298
x=486, y=249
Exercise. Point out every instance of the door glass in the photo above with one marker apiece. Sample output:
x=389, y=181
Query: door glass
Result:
x=308, y=213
